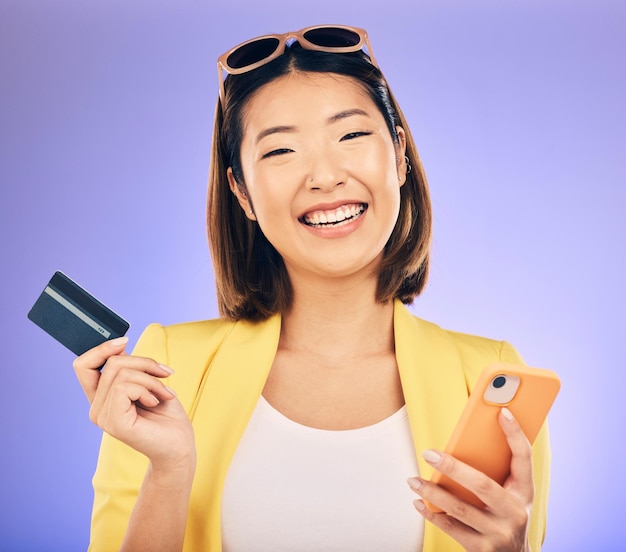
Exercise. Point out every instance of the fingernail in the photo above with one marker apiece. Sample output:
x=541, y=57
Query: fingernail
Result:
x=166, y=368
x=118, y=341
x=171, y=391
x=431, y=456
x=507, y=414
x=419, y=505
x=415, y=483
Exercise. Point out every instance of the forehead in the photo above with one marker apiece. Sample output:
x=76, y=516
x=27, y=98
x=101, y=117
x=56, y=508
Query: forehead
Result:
x=305, y=95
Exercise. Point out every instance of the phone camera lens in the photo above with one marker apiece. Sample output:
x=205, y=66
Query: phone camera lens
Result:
x=498, y=382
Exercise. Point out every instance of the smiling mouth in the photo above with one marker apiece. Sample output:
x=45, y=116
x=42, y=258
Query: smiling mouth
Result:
x=334, y=217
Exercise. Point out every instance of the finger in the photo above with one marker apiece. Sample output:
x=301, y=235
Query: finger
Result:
x=485, y=488
x=120, y=372
x=162, y=432
x=87, y=366
x=521, y=478
x=118, y=363
x=119, y=411
x=467, y=537
x=451, y=505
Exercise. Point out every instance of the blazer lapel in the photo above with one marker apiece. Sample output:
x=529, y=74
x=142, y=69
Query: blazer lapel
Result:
x=435, y=392
x=228, y=395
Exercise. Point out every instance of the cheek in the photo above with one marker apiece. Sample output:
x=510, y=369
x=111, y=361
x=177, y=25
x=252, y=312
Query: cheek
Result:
x=382, y=173
x=272, y=206
x=381, y=160
x=272, y=189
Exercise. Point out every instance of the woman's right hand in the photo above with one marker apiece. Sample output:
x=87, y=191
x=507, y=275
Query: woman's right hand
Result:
x=130, y=402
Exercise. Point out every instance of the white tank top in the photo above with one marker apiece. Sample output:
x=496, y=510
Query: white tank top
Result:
x=293, y=488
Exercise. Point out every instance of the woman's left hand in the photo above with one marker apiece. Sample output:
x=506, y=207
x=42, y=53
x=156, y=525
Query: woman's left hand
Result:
x=503, y=524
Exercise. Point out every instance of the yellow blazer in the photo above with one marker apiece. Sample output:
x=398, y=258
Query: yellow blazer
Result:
x=221, y=368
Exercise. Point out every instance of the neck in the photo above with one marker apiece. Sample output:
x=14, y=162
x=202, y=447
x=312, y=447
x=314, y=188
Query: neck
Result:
x=338, y=321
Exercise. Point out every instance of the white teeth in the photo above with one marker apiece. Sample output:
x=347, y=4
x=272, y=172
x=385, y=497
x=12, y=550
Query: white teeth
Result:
x=335, y=216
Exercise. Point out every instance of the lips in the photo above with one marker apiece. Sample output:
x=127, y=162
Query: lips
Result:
x=334, y=217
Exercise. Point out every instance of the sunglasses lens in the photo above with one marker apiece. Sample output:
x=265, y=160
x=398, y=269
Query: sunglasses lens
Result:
x=252, y=52
x=332, y=37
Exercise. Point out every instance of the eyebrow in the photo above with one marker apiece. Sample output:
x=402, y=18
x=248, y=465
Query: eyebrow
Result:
x=347, y=113
x=274, y=130
x=287, y=128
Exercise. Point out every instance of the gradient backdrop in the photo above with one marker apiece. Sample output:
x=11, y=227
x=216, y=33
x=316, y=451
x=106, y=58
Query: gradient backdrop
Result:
x=518, y=108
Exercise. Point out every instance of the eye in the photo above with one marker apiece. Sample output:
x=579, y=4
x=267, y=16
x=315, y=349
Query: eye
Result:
x=280, y=151
x=352, y=135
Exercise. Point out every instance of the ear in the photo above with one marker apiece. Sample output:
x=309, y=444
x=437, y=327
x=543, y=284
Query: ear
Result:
x=240, y=194
x=400, y=156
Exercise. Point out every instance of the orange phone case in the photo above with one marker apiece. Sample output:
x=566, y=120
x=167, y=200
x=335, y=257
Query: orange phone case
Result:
x=478, y=439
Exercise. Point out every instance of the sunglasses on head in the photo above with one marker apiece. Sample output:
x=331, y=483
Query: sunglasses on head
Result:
x=256, y=52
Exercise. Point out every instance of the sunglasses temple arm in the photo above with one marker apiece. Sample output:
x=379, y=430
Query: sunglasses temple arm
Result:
x=370, y=53
x=220, y=79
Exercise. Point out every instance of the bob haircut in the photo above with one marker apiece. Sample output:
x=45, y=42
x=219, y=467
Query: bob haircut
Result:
x=251, y=279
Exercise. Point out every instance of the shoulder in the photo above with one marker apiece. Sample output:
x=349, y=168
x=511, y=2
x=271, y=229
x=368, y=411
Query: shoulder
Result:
x=473, y=345
x=477, y=352
x=472, y=352
x=161, y=342
x=187, y=348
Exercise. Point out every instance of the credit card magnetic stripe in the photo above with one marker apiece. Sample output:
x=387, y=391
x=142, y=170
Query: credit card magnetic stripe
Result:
x=86, y=302
x=77, y=312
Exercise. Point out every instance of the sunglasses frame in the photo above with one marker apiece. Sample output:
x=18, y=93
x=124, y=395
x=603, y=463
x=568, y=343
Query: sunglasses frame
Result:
x=222, y=61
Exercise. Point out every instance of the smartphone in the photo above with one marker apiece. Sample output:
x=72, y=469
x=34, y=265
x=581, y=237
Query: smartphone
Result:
x=478, y=439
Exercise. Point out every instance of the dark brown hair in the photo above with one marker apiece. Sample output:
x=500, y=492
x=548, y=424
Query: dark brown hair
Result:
x=251, y=278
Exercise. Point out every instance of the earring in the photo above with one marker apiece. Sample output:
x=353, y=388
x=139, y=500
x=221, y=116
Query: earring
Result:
x=408, y=164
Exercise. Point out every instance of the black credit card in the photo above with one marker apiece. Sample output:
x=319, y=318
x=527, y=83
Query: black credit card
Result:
x=74, y=317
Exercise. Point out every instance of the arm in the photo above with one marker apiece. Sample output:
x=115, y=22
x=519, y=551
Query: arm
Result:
x=147, y=427
x=538, y=469
x=159, y=517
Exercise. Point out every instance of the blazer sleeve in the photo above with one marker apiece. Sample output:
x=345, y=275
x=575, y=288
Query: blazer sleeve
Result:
x=541, y=468
x=120, y=469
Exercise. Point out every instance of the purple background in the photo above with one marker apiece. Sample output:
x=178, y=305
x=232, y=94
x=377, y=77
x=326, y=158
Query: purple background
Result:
x=518, y=109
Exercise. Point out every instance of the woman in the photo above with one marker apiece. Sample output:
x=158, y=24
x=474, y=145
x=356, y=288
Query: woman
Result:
x=294, y=422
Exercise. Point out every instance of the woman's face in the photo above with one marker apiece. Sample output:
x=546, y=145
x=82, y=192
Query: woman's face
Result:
x=322, y=174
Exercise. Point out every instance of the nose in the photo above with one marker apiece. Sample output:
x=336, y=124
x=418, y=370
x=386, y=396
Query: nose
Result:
x=326, y=173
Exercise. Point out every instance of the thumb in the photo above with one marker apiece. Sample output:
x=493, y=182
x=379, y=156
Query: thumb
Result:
x=88, y=365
